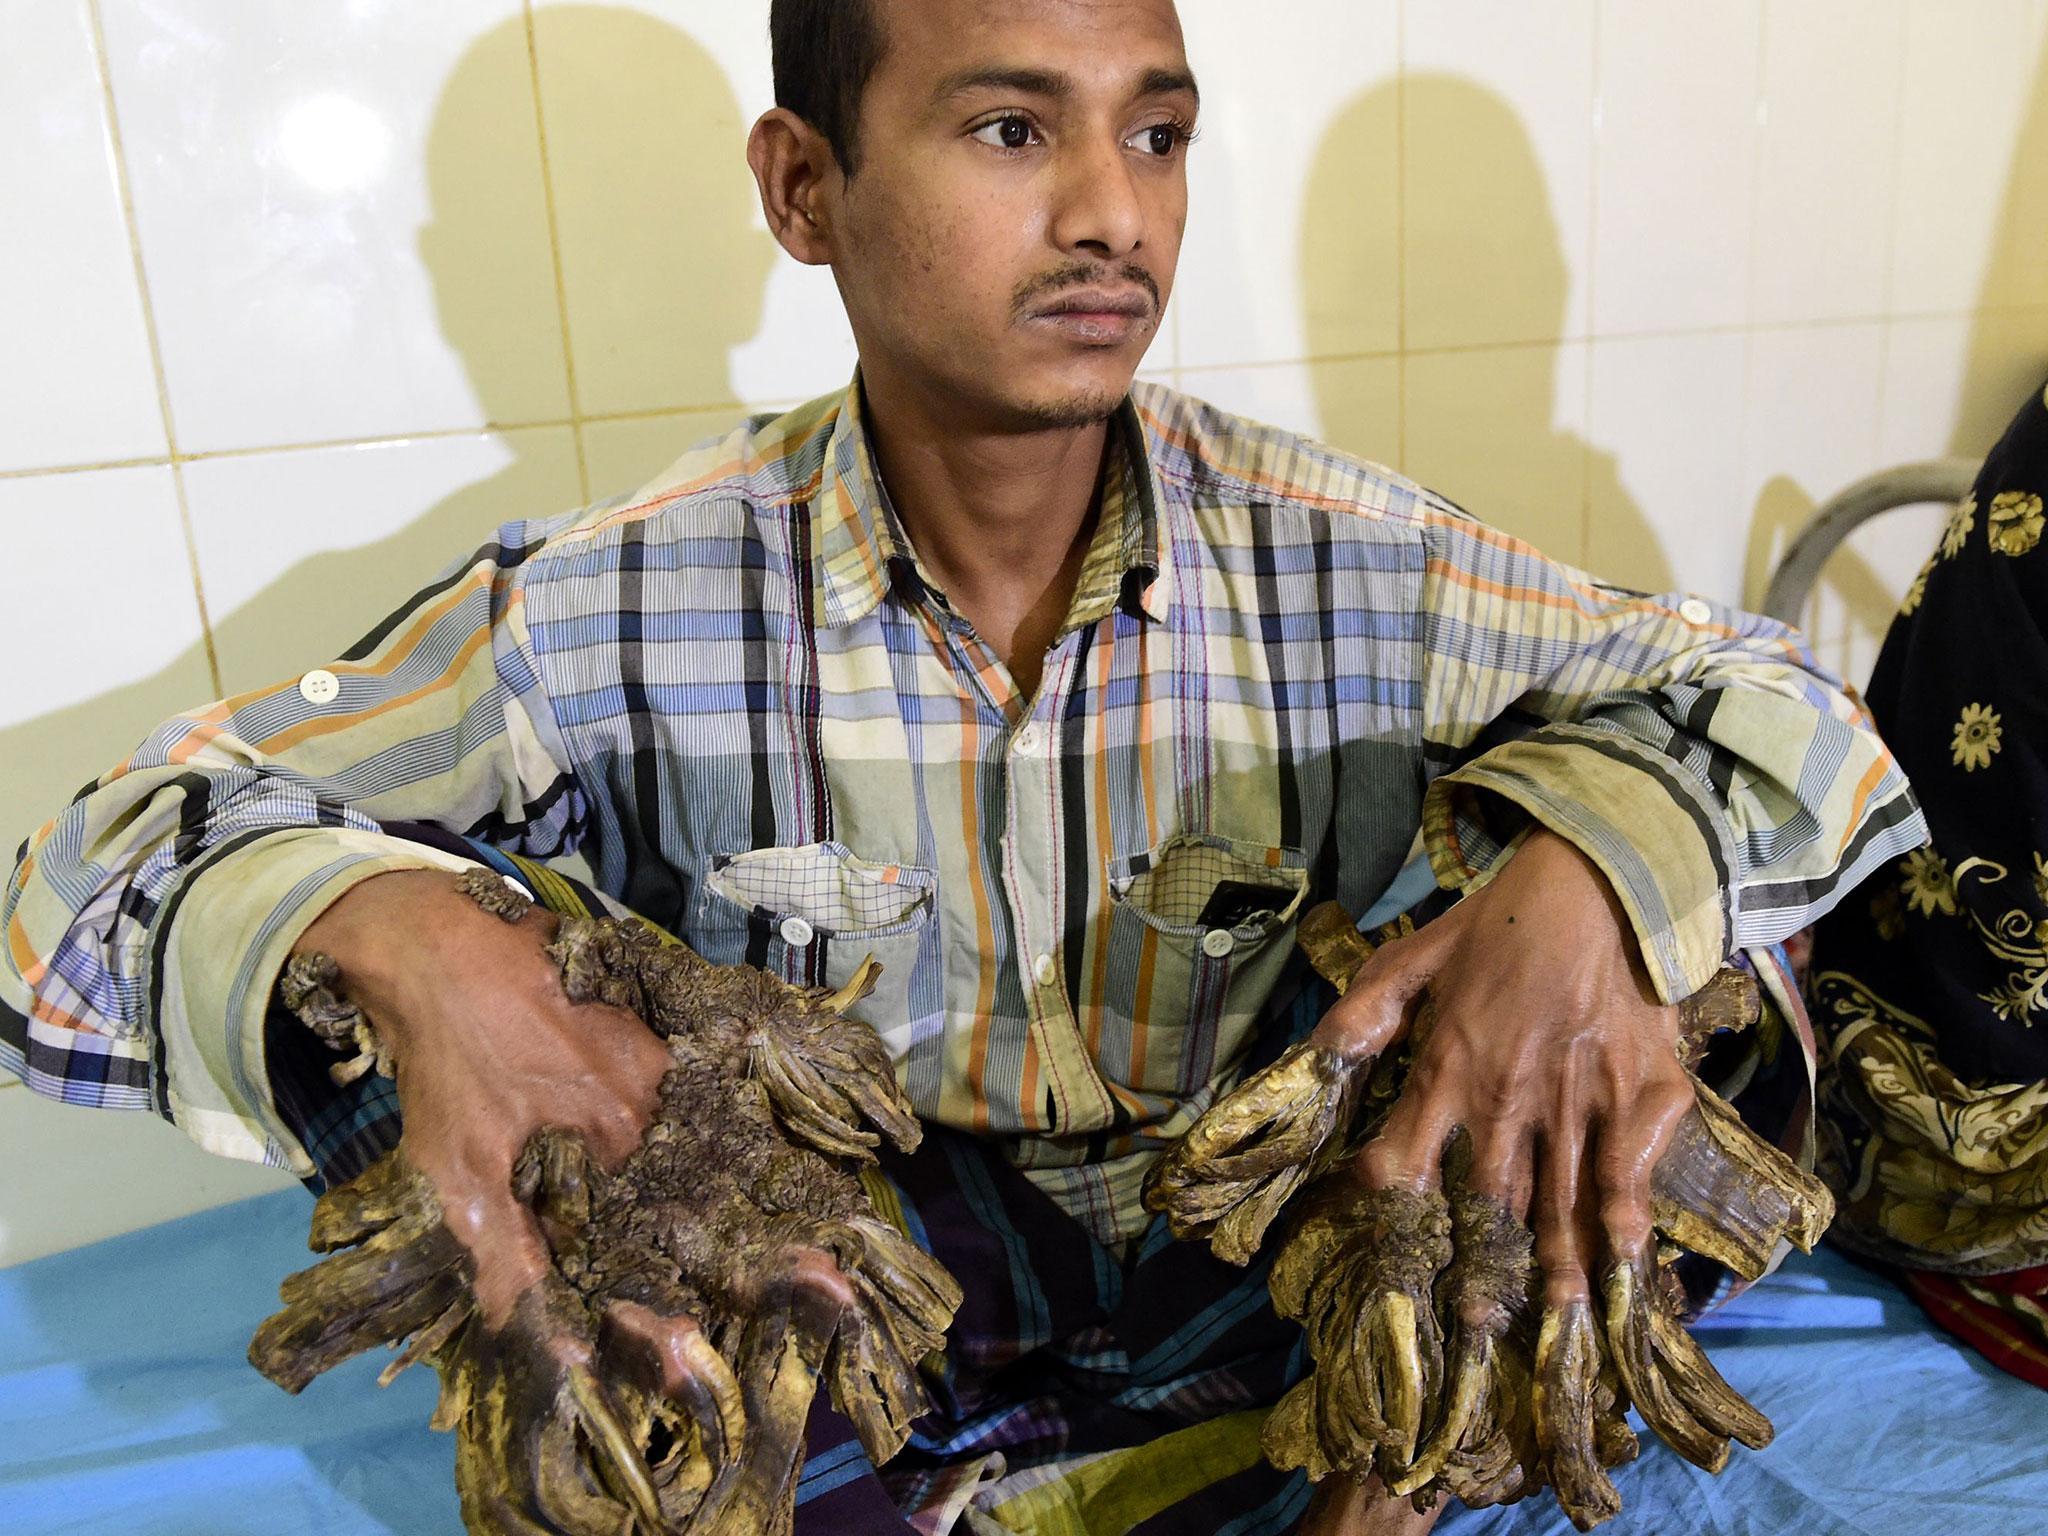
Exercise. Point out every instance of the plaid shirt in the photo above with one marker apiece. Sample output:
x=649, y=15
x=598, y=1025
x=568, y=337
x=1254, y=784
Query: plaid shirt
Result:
x=741, y=698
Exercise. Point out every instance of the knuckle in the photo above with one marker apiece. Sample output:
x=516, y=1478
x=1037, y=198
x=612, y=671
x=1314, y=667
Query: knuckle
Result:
x=1618, y=1079
x=1556, y=1208
x=1564, y=1284
x=1624, y=1145
x=1352, y=1010
x=1383, y=1161
x=1498, y=1160
x=1498, y=1098
x=1398, y=965
x=1363, y=1015
x=1671, y=1100
x=1626, y=1220
x=1426, y=1077
x=1382, y=969
x=1557, y=1247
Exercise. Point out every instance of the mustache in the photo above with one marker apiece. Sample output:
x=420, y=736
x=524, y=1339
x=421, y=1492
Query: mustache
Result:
x=1083, y=275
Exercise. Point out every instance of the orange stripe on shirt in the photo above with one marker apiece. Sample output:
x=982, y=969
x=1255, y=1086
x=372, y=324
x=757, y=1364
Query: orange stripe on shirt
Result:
x=1098, y=935
x=1289, y=489
x=1141, y=999
x=328, y=725
x=984, y=931
x=1865, y=788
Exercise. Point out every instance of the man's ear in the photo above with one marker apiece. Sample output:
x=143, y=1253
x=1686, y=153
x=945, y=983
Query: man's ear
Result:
x=793, y=165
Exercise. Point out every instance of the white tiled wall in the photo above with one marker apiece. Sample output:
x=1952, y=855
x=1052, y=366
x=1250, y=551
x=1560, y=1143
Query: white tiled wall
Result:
x=297, y=301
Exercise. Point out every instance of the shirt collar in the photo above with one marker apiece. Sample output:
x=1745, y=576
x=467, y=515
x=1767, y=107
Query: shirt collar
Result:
x=862, y=554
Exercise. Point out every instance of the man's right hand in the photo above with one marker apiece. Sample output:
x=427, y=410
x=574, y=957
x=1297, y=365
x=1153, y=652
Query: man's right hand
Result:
x=489, y=1049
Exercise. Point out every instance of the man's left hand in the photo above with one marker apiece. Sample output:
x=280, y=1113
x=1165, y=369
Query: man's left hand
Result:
x=1533, y=1026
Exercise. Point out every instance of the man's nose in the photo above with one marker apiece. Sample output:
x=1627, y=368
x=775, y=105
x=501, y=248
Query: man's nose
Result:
x=1099, y=211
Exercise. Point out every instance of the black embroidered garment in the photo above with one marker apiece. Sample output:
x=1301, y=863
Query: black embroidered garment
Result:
x=1931, y=987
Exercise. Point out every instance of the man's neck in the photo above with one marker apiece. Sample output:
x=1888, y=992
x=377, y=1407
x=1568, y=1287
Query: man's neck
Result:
x=1001, y=520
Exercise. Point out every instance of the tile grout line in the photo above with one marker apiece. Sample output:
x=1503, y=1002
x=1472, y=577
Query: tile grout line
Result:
x=431, y=434
x=1891, y=263
x=1759, y=124
x=547, y=187
x=1585, y=338
x=103, y=64
x=1401, y=236
x=1595, y=126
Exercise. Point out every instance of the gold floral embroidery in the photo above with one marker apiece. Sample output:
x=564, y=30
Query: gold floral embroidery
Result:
x=2011, y=1001
x=1960, y=522
x=1887, y=915
x=2015, y=522
x=2018, y=939
x=1932, y=1171
x=1917, y=591
x=1978, y=737
x=1926, y=883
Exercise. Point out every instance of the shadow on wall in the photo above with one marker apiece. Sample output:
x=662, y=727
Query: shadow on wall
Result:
x=2009, y=351
x=2006, y=361
x=646, y=147
x=1482, y=245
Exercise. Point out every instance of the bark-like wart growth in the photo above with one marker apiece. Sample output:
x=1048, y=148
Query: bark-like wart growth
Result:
x=656, y=1383
x=1436, y=1364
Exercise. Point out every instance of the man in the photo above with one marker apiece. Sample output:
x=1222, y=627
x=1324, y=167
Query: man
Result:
x=1062, y=698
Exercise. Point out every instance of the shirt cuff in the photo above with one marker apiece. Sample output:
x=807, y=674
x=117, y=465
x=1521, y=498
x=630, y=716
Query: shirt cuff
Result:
x=1652, y=829
x=216, y=950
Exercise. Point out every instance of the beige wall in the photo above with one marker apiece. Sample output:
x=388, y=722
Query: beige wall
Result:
x=312, y=296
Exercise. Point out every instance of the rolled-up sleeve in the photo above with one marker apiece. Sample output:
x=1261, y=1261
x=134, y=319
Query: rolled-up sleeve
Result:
x=1729, y=788
x=146, y=924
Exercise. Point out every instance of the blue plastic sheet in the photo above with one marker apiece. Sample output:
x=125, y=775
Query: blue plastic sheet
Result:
x=127, y=1409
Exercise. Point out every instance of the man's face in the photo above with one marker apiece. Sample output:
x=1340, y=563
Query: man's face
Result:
x=1009, y=240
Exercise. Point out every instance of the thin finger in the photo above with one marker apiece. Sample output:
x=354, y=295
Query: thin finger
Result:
x=505, y=1246
x=1376, y=1008
x=1503, y=1168
x=1565, y=1207
x=1629, y=1147
x=1408, y=1151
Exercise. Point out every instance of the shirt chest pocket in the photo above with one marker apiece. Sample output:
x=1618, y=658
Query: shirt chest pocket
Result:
x=1200, y=929
x=821, y=910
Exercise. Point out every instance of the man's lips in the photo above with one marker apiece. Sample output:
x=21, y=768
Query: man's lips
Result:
x=1130, y=304
x=1098, y=316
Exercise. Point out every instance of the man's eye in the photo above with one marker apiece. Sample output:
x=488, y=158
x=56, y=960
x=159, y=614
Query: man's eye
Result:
x=1162, y=139
x=1007, y=133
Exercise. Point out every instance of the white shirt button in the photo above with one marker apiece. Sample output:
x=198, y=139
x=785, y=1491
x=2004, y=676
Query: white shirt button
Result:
x=319, y=686
x=796, y=933
x=1044, y=969
x=1028, y=739
x=1694, y=611
x=1217, y=943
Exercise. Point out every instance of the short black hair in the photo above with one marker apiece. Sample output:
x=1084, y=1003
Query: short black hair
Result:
x=825, y=51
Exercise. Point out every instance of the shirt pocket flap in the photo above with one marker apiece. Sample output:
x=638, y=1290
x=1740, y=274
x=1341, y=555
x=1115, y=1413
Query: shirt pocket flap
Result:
x=839, y=894
x=1195, y=884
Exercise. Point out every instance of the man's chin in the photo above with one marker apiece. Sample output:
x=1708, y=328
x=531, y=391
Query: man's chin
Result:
x=1071, y=402
x=1069, y=410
